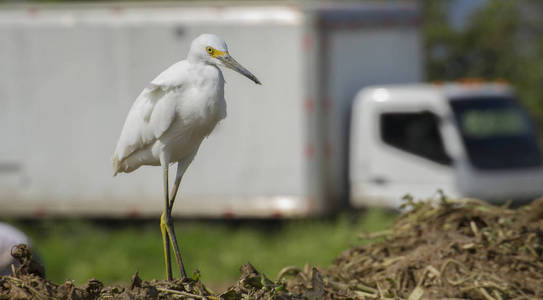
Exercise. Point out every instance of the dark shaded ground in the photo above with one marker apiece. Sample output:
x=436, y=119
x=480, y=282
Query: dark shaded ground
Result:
x=463, y=249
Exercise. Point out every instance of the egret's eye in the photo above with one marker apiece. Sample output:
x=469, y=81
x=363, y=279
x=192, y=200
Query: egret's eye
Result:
x=209, y=50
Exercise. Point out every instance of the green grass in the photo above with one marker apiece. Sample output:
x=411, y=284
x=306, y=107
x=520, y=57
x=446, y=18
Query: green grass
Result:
x=80, y=250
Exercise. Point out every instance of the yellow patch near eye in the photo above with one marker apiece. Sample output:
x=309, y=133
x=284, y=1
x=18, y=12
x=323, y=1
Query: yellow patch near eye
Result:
x=214, y=52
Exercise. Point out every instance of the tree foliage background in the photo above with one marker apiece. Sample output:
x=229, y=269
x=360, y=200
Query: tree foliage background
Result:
x=503, y=40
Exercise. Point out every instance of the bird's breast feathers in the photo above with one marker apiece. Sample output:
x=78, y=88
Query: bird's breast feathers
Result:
x=200, y=100
x=184, y=102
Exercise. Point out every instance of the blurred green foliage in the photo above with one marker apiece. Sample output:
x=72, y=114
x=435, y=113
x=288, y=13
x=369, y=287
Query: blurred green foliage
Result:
x=503, y=40
x=112, y=253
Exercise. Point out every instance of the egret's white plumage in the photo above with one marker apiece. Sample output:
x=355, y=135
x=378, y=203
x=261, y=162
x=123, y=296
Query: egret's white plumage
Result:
x=173, y=114
x=171, y=117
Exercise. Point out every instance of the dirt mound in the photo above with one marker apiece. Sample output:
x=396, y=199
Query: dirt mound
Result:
x=461, y=249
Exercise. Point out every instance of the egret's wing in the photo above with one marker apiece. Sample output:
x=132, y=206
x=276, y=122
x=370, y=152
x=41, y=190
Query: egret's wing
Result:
x=152, y=113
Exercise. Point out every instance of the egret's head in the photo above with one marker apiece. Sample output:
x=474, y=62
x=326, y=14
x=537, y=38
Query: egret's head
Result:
x=212, y=49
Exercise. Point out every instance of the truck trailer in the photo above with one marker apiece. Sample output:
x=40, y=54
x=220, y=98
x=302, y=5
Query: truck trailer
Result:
x=70, y=72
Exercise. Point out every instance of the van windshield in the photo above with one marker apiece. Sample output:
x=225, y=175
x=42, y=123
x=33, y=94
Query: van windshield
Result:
x=496, y=132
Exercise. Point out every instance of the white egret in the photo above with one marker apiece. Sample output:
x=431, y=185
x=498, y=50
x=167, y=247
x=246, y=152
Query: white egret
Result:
x=171, y=117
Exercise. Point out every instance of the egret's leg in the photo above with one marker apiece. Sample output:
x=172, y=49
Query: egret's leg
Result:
x=176, y=251
x=176, y=183
x=164, y=227
x=181, y=168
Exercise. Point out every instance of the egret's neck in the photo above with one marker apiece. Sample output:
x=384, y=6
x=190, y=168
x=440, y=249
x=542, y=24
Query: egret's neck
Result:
x=195, y=57
x=199, y=62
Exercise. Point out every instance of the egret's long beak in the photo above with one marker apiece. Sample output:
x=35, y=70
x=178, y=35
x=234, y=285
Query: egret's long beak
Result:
x=231, y=63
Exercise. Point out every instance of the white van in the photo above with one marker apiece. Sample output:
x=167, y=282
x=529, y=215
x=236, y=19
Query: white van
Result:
x=468, y=139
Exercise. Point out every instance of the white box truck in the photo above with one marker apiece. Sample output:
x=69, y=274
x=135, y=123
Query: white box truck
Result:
x=469, y=139
x=70, y=72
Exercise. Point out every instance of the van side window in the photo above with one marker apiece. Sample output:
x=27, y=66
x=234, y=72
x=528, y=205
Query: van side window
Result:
x=416, y=133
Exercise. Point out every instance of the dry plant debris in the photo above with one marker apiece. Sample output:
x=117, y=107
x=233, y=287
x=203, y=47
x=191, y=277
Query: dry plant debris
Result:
x=464, y=249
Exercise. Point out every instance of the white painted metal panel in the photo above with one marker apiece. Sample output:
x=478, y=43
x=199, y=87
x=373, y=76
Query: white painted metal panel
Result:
x=71, y=75
x=358, y=58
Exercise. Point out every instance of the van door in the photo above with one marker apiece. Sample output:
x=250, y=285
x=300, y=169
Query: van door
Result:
x=407, y=156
